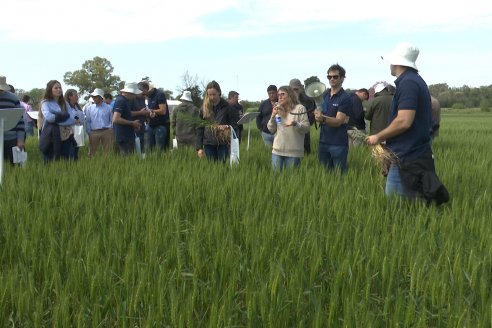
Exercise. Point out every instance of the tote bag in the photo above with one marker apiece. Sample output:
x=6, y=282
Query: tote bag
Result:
x=234, y=158
x=79, y=135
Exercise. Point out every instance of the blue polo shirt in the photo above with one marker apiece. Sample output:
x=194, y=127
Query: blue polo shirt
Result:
x=411, y=93
x=156, y=98
x=123, y=133
x=339, y=102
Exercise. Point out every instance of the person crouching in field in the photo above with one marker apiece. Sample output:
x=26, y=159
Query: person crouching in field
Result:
x=289, y=122
x=212, y=138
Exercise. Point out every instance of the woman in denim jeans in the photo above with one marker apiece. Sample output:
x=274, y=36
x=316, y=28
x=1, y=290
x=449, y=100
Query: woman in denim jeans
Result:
x=289, y=122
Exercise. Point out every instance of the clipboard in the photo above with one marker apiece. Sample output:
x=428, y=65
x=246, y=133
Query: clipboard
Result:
x=248, y=117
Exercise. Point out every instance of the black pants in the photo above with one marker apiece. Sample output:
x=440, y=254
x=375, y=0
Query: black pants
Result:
x=7, y=150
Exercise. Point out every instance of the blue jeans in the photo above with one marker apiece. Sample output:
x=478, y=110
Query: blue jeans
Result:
x=284, y=162
x=267, y=139
x=158, y=135
x=394, y=186
x=216, y=153
x=126, y=147
x=69, y=149
x=28, y=126
x=332, y=156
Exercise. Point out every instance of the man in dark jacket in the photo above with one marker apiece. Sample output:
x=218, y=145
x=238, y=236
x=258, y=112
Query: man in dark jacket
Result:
x=356, y=115
x=378, y=109
x=184, y=121
x=265, y=110
x=17, y=135
x=233, y=100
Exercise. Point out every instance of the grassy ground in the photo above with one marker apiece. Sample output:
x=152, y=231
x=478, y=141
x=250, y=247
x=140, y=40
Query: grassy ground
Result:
x=176, y=241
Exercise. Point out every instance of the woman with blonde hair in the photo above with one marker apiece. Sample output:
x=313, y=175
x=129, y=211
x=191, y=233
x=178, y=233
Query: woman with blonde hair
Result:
x=289, y=122
x=211, y=138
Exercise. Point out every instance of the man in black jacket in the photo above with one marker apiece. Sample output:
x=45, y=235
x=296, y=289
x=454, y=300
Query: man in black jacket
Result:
x=17, y=135
x=265, y=110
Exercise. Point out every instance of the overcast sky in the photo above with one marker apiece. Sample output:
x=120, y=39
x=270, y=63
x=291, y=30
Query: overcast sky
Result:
x=244, y=45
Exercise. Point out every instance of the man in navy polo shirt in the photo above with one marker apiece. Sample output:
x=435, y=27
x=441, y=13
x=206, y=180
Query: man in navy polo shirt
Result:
x=407, y=134
x=159, y=128
x=333, y=140
x=123, y=126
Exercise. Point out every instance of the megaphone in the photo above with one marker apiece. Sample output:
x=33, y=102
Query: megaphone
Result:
x=315, y=90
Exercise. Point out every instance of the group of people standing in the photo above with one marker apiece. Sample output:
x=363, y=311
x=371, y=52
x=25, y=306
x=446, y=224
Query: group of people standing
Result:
x=400, y=118
x=107, y=122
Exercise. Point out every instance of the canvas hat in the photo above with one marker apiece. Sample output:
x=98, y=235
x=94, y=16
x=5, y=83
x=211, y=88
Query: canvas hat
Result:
x=379, y=87
x=98, y=92
x=295, y=84
x=404, y=54
x=186, y=96
x=144, y=84
x=131, y=87
x=3, y=83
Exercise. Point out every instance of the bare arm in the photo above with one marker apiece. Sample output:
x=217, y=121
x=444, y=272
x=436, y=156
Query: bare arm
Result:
x=335, y=122
x=117, y=119
x=161, y=111
x=402, y=122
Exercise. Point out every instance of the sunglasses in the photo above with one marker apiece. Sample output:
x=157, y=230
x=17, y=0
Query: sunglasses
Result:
x=334, y=77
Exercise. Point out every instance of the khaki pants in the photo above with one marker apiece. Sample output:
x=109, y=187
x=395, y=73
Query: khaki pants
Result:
x=103, y=137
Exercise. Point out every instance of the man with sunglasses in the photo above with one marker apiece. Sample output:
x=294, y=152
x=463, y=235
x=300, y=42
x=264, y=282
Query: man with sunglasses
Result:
x=333, y=118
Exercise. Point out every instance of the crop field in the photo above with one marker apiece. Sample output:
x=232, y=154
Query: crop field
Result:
x=177, y=241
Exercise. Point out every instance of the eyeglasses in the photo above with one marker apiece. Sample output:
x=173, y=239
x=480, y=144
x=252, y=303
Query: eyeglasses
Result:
x=282, y=94
x=334, y=77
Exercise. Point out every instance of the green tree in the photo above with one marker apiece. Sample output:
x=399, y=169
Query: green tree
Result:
x=485, y=105
x=190, y=83
x=310, y=80
x=95, y=73
x=36, y=97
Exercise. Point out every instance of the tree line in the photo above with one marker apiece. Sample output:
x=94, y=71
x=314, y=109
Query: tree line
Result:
x=98, y=73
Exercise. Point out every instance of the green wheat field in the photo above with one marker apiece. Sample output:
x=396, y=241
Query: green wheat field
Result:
x=177, y=241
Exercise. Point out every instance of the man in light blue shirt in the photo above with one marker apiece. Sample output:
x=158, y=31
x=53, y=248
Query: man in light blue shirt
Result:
x=98, y=120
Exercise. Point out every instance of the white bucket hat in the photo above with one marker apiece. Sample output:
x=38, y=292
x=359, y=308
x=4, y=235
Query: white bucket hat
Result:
x=98, y=92
x=131, y=87
x=404, y=54
x=379, y=87
x=3, y=83
x=186, y=96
